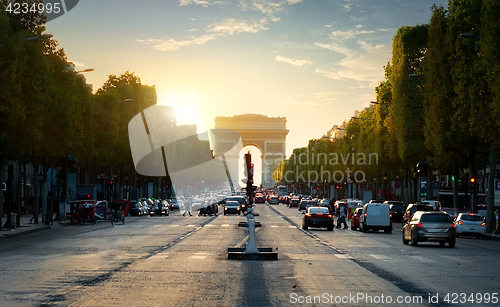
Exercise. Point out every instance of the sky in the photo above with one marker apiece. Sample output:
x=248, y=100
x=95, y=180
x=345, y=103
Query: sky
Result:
x=314, y=62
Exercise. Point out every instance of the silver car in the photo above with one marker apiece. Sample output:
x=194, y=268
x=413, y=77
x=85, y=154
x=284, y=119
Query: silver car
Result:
x=429, y=226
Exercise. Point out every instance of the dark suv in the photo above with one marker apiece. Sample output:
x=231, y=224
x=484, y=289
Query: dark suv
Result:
x=397, y=210
x=412, y=208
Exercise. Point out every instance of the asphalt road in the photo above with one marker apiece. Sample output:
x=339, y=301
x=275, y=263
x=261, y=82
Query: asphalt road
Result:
x=182, y=261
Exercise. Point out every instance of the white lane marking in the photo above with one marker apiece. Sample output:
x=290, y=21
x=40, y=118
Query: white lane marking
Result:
x=343, y=256
x=292, y=226
x=160, y=256
x=210, y=225
x=174, y=225
x=422, y=259
x=190, y=225
x=381, y=257
x=201, y=255
x=225, y=225
x=274, y=226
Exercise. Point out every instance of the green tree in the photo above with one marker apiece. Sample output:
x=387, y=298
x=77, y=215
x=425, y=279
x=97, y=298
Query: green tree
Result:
x=409, y=46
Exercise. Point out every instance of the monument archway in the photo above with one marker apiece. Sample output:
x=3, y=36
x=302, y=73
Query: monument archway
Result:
x=268, y=134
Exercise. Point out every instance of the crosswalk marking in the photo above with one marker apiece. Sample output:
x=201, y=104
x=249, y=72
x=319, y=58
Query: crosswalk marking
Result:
x=174, y=225
x=292, y=226
x=225, y=225
x=210, y=225
x=190, y=225
x=274, y=226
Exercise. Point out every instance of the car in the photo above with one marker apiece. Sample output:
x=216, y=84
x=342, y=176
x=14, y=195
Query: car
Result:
x=412, y=208
x=376, y=217
x=294, y=202
x=429, y=226
x=355, y=218
x=398, y=209
x=260, y=199
x=241, y=200
x=136, y=208
x=232, y=206
x=317, y=217
x=304, y=203
x=470, y=224
x=436, y=205
x=273, y=200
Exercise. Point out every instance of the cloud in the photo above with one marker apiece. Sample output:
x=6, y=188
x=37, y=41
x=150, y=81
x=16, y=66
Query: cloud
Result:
x=223, y=28
x=231, y=26
x=294, y=62
x=172, y=44
x=335, y=46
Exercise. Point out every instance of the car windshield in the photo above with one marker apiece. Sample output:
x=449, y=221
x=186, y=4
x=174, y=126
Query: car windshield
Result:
x=471, y=218
x=398, y=208
x=232, y=204
x=435, y=218
x=315, y=210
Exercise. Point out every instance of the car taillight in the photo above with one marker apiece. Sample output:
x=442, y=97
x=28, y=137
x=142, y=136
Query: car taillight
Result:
x=366, y=214
x=308, y=215
x=420, y=225
x=390, y=215
x=483, y=224
x=329, y=215
x=460, y=223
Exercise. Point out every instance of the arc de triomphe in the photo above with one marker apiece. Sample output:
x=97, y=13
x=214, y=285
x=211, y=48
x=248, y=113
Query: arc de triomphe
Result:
x=268, y=134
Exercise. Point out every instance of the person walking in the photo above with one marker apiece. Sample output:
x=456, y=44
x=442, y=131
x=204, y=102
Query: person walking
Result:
x=342, y=217
x=187, y=208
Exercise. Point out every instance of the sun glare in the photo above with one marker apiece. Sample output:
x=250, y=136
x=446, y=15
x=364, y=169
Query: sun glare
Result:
x=188, y=110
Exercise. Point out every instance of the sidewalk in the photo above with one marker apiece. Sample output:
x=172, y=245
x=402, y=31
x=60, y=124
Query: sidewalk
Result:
x=26, y=228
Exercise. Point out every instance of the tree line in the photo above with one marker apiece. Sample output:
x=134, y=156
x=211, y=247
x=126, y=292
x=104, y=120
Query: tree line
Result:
x=439, y=100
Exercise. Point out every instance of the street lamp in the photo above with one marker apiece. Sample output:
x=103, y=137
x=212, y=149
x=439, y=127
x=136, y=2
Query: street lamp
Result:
x=85, y=70
x=37, y=37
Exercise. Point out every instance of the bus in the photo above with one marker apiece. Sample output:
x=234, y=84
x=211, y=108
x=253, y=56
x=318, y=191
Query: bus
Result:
x=282, y=190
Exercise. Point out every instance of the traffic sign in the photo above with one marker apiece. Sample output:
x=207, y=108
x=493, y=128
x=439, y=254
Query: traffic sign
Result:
x=436, y=185
x=397, y=185
x=423, y=186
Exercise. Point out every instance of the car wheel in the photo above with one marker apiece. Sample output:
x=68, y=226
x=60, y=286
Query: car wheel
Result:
x=412, y=240
x=479, y=236
x=304, y=226
x=452, y=242
x=363, y=229
x=442, y=243
x=404, y=240
x=389, y=231
x=352, y=227
x=329, y=228
x=458, y=235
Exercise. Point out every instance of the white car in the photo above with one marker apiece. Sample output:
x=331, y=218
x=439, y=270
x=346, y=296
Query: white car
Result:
x=470, y=224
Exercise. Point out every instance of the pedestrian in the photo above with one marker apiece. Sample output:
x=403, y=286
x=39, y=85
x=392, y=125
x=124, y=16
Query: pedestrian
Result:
x=342, y=217
x=187, y=208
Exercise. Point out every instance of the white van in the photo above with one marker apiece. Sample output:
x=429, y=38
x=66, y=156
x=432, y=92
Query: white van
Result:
x=376, y=216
